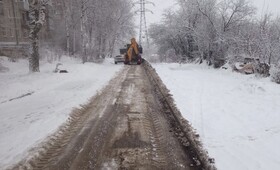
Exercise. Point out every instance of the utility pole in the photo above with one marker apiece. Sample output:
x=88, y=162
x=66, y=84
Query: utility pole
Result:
x=143, y=32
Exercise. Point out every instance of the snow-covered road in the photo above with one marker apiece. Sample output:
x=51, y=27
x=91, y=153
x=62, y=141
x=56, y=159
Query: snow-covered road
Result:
x=26, y=121
x=237, y=116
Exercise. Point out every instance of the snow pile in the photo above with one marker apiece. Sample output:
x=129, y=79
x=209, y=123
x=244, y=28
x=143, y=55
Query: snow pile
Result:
x=2, y=68
x=33, y=106
x=275, y=74
x=236, y=116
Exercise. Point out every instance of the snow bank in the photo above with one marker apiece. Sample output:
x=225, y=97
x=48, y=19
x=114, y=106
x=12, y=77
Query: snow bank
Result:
x=237, y=116
x=33, y=106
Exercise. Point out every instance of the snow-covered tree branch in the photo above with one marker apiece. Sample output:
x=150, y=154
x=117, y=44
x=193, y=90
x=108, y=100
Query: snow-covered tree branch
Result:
x=89, y=29
x=217, y=31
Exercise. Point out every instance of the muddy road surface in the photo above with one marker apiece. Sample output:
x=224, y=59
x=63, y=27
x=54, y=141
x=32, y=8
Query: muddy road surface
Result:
x=126, y=126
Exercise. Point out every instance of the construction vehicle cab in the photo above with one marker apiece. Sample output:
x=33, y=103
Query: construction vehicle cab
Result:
x=133, y=53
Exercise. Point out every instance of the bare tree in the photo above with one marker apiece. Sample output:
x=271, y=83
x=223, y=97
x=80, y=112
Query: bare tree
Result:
x=88, y=28
x=209, y=30
x=234, y=12
x=37, y=15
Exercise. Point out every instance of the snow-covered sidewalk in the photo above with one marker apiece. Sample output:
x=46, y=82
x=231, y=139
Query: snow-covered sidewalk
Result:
x=237, y=116
x=33, y=106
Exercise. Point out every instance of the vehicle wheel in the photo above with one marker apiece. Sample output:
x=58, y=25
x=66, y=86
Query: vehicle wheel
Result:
x=139, y=61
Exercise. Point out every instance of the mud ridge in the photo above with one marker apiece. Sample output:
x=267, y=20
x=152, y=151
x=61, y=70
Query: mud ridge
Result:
x=181, y=127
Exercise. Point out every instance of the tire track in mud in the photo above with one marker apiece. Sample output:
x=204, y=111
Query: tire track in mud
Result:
x=75, y=127
x=131, y=124
x=181, y=128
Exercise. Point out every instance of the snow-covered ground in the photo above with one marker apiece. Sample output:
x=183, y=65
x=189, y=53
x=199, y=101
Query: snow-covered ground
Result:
x=237, y=116
x=33, y=106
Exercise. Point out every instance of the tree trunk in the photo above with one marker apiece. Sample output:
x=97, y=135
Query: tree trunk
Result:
x=37, y=18
x=34, y=56
x=74, y=42
x=67, y=25
x=83, y=32
x=67, y=15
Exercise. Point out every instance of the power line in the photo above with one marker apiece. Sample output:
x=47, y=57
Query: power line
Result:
x=143, y=31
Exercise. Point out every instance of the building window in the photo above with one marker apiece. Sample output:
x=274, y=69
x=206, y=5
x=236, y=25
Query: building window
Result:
x=1, y=8
x=19, y=33
x=25, y=33
x=2, y=31
x=25, y=18
x=10, y=13
x=11, y=32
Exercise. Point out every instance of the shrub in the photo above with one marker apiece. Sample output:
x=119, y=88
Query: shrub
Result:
x=3, y=69
x=262, y=69
x=275, y=74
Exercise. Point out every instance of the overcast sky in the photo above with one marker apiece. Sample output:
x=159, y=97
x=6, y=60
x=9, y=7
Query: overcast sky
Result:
x=160, y=6
x=272, y=6
x=267, y=5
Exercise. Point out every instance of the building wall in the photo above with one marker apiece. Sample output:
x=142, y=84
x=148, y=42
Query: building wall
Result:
x=13, y=22
x=14, y=30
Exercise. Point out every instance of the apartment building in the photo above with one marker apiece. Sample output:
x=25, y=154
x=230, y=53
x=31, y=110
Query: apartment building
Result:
x=14, y=29
x=13, y=22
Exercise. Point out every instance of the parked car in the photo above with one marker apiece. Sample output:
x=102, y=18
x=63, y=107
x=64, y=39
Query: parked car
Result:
x=119, y=58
